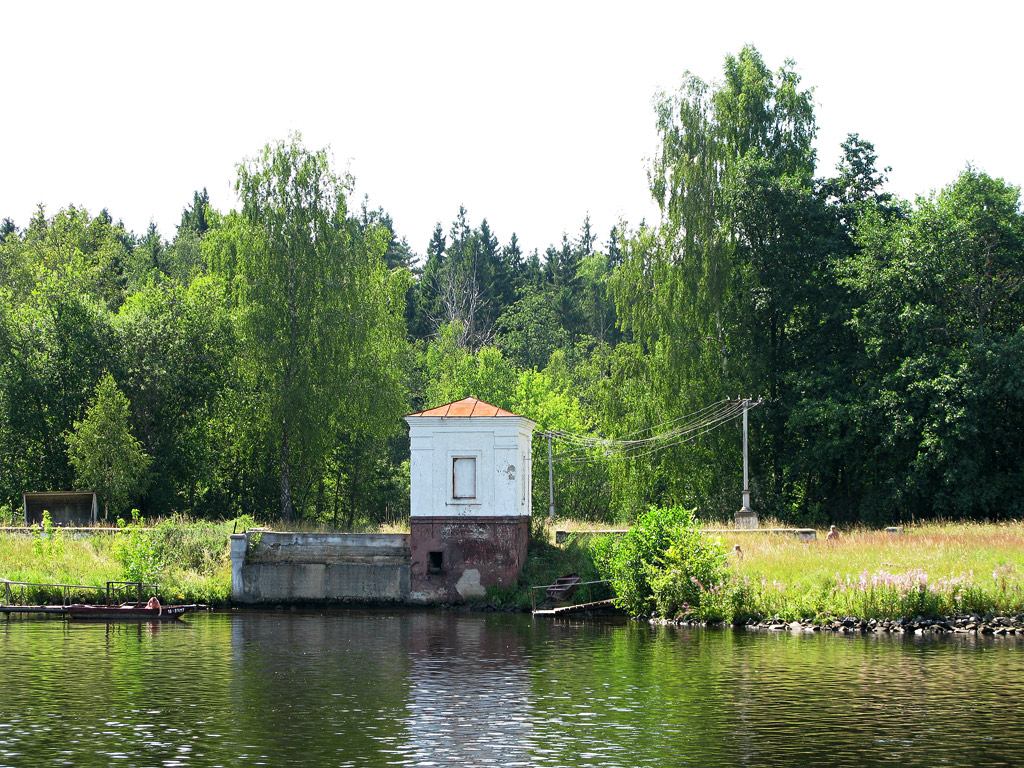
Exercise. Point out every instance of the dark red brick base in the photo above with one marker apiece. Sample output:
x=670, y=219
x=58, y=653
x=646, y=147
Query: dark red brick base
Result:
x=493, y=547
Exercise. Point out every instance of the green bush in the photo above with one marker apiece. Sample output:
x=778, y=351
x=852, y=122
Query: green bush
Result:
x=48, y=541
x=137, y=550
x=665, y=564
x=8, y=517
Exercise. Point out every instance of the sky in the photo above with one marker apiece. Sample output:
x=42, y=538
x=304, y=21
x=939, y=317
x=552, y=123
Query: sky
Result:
x=532, y=115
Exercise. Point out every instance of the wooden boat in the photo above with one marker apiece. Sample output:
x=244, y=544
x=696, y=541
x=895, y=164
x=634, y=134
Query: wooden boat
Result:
x=129, y=612
x=118, y=606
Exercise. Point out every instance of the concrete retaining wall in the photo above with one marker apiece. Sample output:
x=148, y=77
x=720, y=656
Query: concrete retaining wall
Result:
x=319, y=567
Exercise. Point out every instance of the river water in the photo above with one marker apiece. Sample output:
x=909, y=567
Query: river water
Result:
x=459, y=689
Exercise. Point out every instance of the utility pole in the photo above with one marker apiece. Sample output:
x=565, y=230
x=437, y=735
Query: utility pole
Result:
x=551, y=482
x=746, y=462
x=746, y=517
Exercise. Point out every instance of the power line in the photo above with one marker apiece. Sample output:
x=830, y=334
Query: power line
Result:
x=581, y=448
x=686, y=424
x=691, y=422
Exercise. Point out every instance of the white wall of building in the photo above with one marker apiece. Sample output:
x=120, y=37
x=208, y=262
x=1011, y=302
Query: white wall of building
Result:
x=497, y=449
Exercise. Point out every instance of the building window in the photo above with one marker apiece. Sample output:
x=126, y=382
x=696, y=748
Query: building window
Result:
x=464, y=478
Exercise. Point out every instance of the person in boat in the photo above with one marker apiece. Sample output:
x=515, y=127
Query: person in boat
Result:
x=153, y=603
x=832, y=537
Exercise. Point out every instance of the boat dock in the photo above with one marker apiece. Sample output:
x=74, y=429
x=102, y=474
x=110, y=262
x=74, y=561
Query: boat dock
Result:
x=562, y=610
x=561, y=590
x=58, y=610
x=14, y=594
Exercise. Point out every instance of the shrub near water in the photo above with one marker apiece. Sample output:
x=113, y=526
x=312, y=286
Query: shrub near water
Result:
x=193, y=557
x=665, y=564
x=135, y=548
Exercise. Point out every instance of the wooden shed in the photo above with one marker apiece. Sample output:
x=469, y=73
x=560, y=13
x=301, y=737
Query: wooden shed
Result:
x=65, y=507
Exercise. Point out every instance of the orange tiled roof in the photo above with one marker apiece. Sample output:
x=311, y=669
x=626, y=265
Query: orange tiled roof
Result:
x=469, y=406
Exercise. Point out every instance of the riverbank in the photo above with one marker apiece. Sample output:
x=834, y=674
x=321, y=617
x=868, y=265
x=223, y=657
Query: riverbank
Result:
x=937, y=572
x=967, y=624
x=188, y=559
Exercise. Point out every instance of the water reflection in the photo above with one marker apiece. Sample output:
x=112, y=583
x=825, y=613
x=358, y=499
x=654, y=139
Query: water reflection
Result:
x=447, y=689
x=725, y=698
x=331, y=686
x=470, y=696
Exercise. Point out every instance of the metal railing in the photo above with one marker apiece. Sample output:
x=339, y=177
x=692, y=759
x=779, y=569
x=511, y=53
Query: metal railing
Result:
x=15, y=592
x=119, y=591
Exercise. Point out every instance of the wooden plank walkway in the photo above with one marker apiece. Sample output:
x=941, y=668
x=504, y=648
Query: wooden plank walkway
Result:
x=579, y=608
x=51, y=609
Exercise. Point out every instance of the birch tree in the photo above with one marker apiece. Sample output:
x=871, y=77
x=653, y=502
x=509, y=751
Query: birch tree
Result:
x=686, y=289
x=314, y=303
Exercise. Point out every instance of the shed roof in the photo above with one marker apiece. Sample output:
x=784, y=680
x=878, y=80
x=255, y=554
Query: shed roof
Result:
x=51, y=496
x=467, y=407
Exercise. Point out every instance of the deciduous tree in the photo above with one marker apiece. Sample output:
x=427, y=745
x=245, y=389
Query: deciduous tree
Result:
x=106, y=456
x=317, y=309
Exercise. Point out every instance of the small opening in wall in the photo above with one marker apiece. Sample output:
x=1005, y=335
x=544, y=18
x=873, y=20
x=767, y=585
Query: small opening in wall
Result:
x=435, y=563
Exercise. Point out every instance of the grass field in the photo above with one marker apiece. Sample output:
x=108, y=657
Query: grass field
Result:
x=933, y=569
x=939, y=549
x=189, y=560
x=936, y=569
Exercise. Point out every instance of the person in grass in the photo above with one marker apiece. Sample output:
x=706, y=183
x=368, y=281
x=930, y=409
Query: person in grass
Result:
x=737, y=553
x=832, y=536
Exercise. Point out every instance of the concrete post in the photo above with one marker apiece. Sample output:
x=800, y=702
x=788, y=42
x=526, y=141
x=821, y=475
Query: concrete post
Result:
x=551, y=482
x=239, y=546
x=746, y=517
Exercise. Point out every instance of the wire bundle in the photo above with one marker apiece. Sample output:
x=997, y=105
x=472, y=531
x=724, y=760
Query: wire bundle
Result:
x=684, y=429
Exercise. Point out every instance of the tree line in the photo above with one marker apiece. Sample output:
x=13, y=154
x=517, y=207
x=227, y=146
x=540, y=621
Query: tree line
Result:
x=260, y=360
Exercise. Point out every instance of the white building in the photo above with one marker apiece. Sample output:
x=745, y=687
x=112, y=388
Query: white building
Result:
x=470, y=505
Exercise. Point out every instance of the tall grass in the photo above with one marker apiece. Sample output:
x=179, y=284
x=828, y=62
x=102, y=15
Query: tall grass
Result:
x=57, y=560
x=930, y=570
x=188, y=559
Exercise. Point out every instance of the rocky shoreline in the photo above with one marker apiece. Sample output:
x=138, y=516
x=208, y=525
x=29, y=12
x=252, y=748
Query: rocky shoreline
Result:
x=964, y=624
